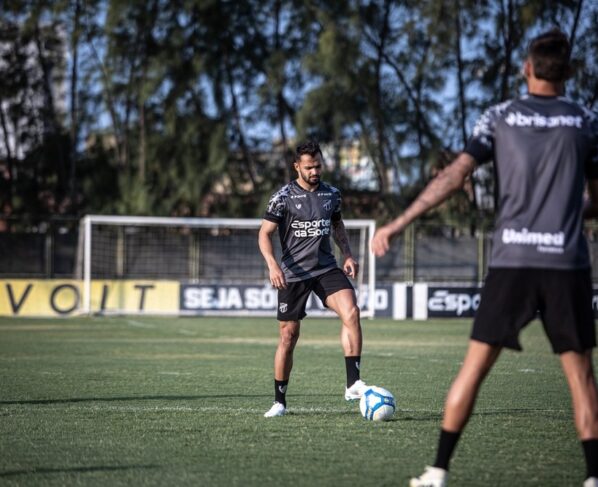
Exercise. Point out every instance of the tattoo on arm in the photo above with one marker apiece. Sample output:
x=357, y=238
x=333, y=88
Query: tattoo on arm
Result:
x=339, y=233
x=448, y=181
x=438, y=190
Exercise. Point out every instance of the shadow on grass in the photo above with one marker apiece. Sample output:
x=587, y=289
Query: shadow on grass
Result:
x=433, y=416
x=102, y=468
x=294, y=413
x=549, y=413
x=417, y=417
x=74, y=400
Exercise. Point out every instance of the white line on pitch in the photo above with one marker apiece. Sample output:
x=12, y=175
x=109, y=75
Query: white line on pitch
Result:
x=139, y=324
x=201, y=409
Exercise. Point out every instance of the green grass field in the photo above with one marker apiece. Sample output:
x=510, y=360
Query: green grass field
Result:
x=179, y=401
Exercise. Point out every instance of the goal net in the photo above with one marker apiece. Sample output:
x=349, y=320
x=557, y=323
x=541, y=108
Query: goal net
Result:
x=193, y=266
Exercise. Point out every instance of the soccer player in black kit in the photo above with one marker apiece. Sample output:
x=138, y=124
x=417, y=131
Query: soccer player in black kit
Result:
x=545, y=149
x=307, y=212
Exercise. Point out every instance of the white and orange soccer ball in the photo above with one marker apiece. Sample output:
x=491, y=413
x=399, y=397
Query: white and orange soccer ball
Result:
x=377, y=404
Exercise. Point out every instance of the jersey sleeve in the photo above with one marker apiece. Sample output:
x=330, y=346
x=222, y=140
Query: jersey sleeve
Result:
x=481, y=143
x=277, y=207
x=591, y=166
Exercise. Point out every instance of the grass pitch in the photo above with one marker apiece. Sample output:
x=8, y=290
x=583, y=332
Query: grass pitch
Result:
x=179, y=401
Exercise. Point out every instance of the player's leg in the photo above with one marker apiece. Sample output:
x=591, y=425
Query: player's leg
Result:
x=568, y=319
x=463, y=392
x=506, y=305
x=291, y=310
x=344, y=304
x=283, y=364
x=579, y=371
x=459, y=405
x=283, y=358
x=337, y=293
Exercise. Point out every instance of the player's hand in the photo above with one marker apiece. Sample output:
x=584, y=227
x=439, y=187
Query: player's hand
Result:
x=351, y=267
x=277, y=278
x=381, y=241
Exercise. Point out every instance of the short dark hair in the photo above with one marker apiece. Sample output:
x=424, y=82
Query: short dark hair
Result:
x=549, y=53
x=309, y=147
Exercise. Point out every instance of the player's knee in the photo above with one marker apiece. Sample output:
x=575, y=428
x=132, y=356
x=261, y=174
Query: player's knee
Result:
x=288, y=338
x=351, y=315
x=586, y=422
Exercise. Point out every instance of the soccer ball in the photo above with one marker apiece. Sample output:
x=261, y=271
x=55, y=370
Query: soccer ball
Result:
x=377, y=404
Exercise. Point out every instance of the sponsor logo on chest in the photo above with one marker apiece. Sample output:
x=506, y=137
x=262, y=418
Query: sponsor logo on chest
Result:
x=518, y=119
x=311, y=228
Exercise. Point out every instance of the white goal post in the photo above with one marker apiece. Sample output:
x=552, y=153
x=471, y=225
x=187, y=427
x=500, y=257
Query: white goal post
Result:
x=193, y=266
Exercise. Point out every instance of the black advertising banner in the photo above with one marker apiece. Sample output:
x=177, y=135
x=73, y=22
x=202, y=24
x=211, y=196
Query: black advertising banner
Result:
x=453, y=302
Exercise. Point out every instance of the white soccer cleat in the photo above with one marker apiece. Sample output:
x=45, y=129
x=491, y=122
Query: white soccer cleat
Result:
x=277, y=409
x=591, y=482
x=355, y=391
x=432, y=477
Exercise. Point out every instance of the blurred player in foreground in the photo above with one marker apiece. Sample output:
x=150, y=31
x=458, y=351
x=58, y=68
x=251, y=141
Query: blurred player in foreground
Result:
x=306, y=212
x=542, y=145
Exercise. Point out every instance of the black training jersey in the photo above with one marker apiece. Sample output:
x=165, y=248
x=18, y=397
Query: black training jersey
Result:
x=304, y=221
x=543, y=149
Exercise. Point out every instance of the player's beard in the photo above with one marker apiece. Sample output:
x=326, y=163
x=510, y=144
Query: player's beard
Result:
x=311, y=180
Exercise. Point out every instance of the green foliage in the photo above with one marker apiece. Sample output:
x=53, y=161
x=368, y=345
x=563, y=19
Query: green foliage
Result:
x=192, y=107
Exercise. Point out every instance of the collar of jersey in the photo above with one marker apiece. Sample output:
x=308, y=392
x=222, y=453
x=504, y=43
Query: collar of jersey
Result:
x=543, y=97
x=294, y=181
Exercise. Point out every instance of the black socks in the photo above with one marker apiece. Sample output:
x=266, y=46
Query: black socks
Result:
x=352, y=364
x=446, y=446
x=280, y=391
x=590, y=451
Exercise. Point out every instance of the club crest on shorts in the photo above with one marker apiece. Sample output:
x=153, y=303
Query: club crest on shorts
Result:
x=283, y=307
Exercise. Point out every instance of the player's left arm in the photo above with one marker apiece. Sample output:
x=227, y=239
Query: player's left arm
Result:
x=339, y=234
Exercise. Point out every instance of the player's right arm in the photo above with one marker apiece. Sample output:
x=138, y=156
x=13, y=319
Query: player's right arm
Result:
x=449, y=180
x=479, y=149
x=266, y=248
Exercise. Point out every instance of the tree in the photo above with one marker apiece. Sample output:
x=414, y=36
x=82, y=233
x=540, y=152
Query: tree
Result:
x=33, y=129
x=190, y=107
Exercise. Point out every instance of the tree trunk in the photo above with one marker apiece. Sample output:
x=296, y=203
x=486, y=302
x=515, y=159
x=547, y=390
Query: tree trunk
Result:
x=110, y=105
x=575, y=24
x=142, y=142
x=379, y=120
x=507, y=36
x=280, y=102
x=8, y=200
x=461, y=86
x=246, y=154
x=50, y=120
x=74, y=135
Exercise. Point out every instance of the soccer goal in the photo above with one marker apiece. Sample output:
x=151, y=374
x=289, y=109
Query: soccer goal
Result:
x=193, y=266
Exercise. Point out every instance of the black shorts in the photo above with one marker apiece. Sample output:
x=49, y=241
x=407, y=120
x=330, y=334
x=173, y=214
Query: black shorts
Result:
x=561, y=299
x=293, y=299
